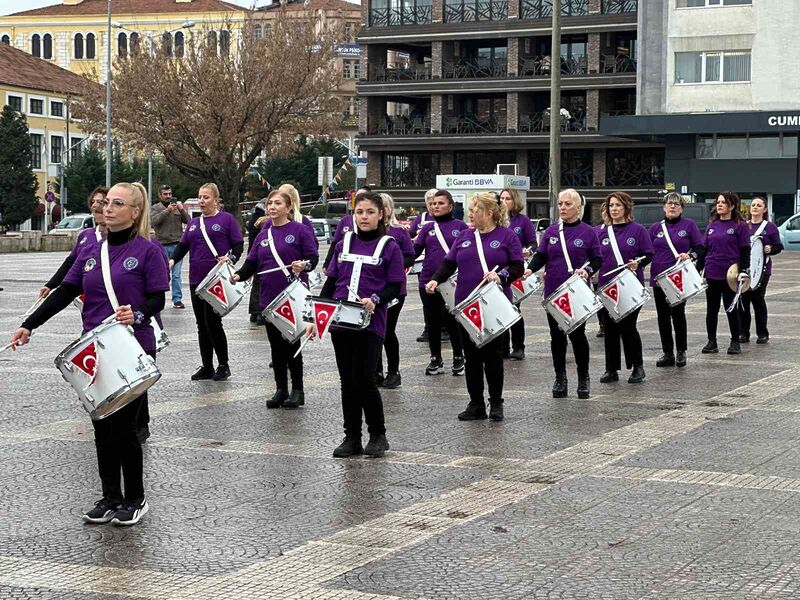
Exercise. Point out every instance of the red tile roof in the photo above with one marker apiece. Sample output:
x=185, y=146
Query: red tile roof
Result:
x=318, y=4
x=21, y=69
x=130, y=7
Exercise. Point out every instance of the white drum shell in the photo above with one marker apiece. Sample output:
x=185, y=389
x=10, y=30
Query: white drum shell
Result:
x=631, y=295
x=162, y=339
x=296, y=293
x=530, y=286
x=447, y=289
x=693, y=282
x=498, y=313
x=234, y=292
x=583, y=304
x=124, y=370
x=757, y=262
x=351, y=315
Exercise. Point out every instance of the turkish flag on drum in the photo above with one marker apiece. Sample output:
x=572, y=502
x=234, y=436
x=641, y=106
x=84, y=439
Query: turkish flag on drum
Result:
x=286, y=312
x=519, y=284
x=474, y=314
x=677, y=280
x=612, y=292
x=323, y=315
x=218, y=290
x=562, y=303
x=86, y=361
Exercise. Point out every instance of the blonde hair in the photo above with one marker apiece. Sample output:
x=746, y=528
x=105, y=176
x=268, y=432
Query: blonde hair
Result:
x=430, y=194
x=288, y=188
x=576, y=197
x=497, y=210
x=389, y=219
x=627, y=204
x=138, y=196
x=212, y=187
x=519, y=205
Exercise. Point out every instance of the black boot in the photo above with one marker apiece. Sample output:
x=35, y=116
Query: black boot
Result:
x=377, y=446
x=203, y=373
x=222, y=373
x=392, y=381
x=680, y=358
x=517, y=354
x=609, y=377
x=474, y=412
x=296, y=399
x=350, y=446
x=278, y=399
x=711, y=347
x=496, y=410
x=637, y=376
x=666, y=360
x=744, y=338
x=583, y=386
x=560, y=386
x=423, y=337
x=734, y=347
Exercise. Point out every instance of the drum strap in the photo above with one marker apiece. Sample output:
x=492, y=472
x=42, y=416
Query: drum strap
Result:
x=440, y=237
x=564, y=246
x=481, y=256
x=208, y=239
x=668, y=239
x=275, y=254
x=758, y=233
x=612, y=239
x=358, y=260
x=97, y=235
x=105, y=268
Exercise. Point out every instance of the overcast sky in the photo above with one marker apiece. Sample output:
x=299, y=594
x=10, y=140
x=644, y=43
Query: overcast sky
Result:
x=11, y=6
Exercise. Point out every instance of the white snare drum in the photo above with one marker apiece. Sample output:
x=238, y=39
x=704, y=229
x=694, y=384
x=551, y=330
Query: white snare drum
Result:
x=522, y=288
x=572, y=304
x=680, y=282
x=447, y=289
x=285, y=312
x=218, y=290
x=78, y=302
x=108, y=368
x=162, y=339
x=416, y=268
x=623, y=295
x=349, y=315
x=486, y=314
x=757, y=262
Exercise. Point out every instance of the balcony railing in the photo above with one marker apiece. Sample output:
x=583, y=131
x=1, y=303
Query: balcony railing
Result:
x=574, y=175
x=643, y=168
x=407, y=15
x=409, y=178
x=475, y=68
x=474, y=125
x=624, y=112
x=541, y=9
x=466, y=12
x=402, y=126
x=540, y=66
x=619, y=63
x=540, y=123
x=413, y=72
x=615, y=7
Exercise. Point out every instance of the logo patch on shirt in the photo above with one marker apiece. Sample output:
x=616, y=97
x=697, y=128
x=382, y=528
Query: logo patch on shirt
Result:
x=346, y=228
x=466, y=243
x=682, y=233
x=289, y=239
x=731, y=231
x=710, y=231
x=631, y=241
x=89, y=265
x=553, y=241
x=455, y=232
x=431, y=232
x=83, y=241
x=606, y=241
x=216, y=227
x=578, y=243
x=131, y=263
x=264, y=243
x=495, y=244
x=517, y=229
x=192, y=227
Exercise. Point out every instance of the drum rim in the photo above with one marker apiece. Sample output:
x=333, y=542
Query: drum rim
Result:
x=478, y=293
x=213, y=273
x=624, y=273
x=127, y=388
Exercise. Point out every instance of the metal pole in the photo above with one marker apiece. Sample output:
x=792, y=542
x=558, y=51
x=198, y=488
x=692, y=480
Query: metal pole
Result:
x=108, y=100
x=150, y=178
x=555, y=111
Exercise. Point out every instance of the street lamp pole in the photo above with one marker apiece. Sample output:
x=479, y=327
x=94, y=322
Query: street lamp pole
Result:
x=555, y=110
x=108, y=99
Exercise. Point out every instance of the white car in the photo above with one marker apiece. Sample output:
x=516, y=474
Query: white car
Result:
x=790, y=233
x=73, y=223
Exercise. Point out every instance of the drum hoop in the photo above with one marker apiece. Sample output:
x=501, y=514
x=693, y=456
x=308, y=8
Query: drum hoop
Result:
x=477, y=294
x=128, y=387
x=211, y=274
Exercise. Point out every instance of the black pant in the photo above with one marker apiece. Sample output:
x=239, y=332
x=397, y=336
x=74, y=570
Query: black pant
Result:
x=390, y=342
x=436, y=315
x=558, y=347
x=759, y=302
x=210, y=333
x=516, y=335
x=283, y=359
x=631, y=341
x=670, y=317
x=118, y=449
x=719, y=290
x=487, y=360
x=254, y=303
x=356, y=357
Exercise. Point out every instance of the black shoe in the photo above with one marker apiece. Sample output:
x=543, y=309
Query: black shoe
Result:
x=270, y=364
x=458, y=365
x=253, y=317
x=260, y=320
x=638, y=375
x=583, y=386
x=601, y=333
x=666, y=360
x=609, y=377
x=560, y=386
x=762, y=339
x=423, y=337
x=222, y=373
x=680, y=358
x=473, y=412
x=203, y=373
x=376, y=446
x=710, y=348
x=517, y=354
x=744, y=338
x=130, y=513
x=296, y=399
x=278, y=399
x=496, y=410
x=178, y=304
x=392, y=381
x=103, y=511
x=349, y=447
x=435, y=367
x=378, y=379
x=142, y=433
x=734, y=348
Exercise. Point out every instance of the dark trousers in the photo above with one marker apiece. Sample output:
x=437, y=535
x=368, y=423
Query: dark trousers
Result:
x=670, y=317
x=558, y=347
x=390, y=343
x=210, y=333
x=759, y=302
x=283, y=360
x=516, y=335
x=254, y=303
x=631, y=341
x=719, y=290
x=486, y=360
x=356, y=356
x=119, y=451
x=436, y=315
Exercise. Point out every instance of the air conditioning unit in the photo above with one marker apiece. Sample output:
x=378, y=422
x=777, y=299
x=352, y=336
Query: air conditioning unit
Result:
x=507, y=169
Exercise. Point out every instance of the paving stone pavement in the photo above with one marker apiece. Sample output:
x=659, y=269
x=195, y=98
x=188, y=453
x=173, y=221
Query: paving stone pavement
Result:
x=686, y=486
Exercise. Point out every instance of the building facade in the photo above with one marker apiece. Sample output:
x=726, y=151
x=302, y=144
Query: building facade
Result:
x=459, y=86
x=719, y=87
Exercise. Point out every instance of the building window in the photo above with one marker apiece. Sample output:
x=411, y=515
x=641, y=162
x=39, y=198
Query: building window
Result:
x=5, y=40
x=56, y=109
x=37, y=107
x=410, y=170
x=224, y=42
x=75, y=147
x=90, y=49
x=56, y=148
x=78, y=46
x=15, y=102
x=386, y=13
x=166, y=43
x=576, y=168
x=478, y=163
x=347, y=69
x=180, y=44
x=746, y=146
x=47, y=45
x=258, y=31
x=134, y=44
x=122, y=45
x=635, y=167
x=267, y=29
x=36, y=45
x=348, y=32
x=712, y=67
x=704, y=3
x=36, y=151
x=463, y=11
x=211, y=41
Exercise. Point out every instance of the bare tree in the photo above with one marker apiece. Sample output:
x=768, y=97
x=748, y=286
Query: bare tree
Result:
x=231, y=96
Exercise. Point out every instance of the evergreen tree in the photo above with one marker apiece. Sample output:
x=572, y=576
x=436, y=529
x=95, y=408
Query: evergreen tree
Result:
x=17, y=182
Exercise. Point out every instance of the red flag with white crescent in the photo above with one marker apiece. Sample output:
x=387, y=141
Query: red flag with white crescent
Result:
x=323, y=315
x=218, y=290
x=676, y=279
x=86, y=361
x=562, y=303
x=474, y=314
x=286, y=312
x=519, y=284
x=612, y=292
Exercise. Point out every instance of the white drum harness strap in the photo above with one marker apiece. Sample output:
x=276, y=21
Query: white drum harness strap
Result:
x=564, y=246
x=208, y=239
x=612, y=239
x=358, y=260
x=668, y=239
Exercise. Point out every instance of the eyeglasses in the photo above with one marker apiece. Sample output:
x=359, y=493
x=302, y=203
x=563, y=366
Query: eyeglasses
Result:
x=114, y=202
x=672, y=203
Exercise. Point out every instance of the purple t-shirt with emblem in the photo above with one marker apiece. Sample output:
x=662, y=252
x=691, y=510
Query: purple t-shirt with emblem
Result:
x=771, y=237
x=86, y=239
x=373, y=277
x=403, y=240
x=501, y=247
x=137, y=269
x=346, y=223
x=224, y=233
x=724, y=243
x=523, y=227
x=419, y=221
x=428, y=241
x=305, y=221
x=293, y=241
x=582, y=244
x=633, y=241
x=684, y=235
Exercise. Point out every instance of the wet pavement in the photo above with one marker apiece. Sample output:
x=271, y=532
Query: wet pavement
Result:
x=686, y=486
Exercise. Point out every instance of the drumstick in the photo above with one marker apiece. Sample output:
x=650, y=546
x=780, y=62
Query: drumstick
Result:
x=272, y=270
x=622, y=267
x=355, y=293
x=482, y=281
x=303, y=345
x=9, y=346
x=35, y=305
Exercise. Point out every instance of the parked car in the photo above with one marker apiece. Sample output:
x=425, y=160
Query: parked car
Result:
x=73, y=223
x=324, y=229
x=540, y=225
x=790, y=233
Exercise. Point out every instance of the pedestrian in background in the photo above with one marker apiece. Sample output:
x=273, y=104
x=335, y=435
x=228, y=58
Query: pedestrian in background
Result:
x=168, y=217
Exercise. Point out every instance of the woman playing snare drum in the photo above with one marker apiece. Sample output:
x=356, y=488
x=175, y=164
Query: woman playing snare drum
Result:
x=584, y=249
x=295, y=246
x=687, y=241
x=139, y=277
x=224, y=233
x=500, y=261
x=630, y=241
